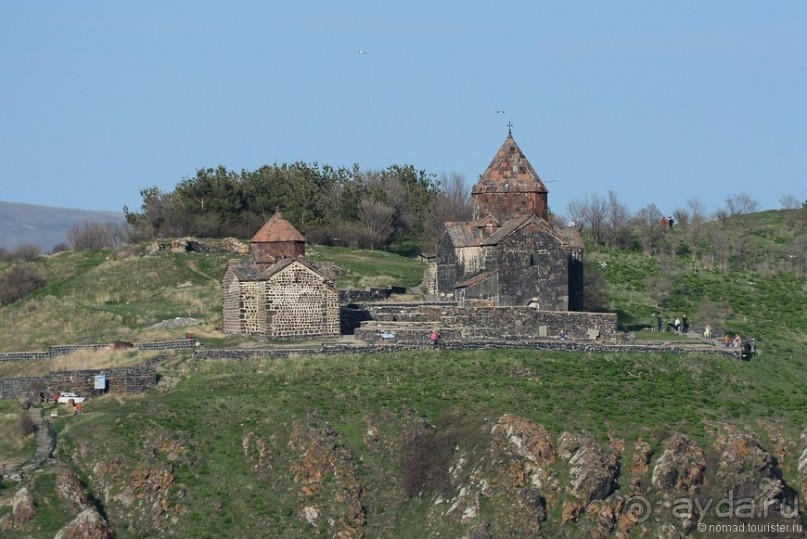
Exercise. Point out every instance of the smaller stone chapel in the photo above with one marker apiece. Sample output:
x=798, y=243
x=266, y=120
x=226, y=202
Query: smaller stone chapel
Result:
x=278, y=292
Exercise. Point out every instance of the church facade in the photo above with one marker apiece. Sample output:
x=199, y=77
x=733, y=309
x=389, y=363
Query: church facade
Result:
x=510, y=254
x=278, y=292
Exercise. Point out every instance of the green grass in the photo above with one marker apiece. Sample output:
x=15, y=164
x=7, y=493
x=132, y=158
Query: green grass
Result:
x=216, y=405
x=217, y=413
x=97, y=296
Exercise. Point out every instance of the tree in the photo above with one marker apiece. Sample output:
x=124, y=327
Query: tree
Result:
x=590, y=212
x=790, y=202
x=647, y=223
x=452, y=203
x=96, y=235
x=741, y=204
x=377, y=219
x=617, y=230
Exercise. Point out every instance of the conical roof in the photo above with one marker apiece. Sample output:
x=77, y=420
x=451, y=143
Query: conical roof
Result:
x=509, y=172
x=277, y=229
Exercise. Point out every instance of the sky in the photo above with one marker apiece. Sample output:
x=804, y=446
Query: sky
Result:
x=660, y=102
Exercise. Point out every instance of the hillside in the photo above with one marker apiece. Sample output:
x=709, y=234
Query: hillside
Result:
x=517, y=443
x=44, y=226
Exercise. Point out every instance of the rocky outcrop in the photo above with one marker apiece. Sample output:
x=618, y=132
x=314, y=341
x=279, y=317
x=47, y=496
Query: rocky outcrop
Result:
x=746, y=470
x=70, y=490
x=328, y=483
x=681, y=467
x=89, y=524
x=592, y=471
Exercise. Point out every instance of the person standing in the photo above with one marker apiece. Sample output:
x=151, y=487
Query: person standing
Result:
x=435, y=338
x=658, y=322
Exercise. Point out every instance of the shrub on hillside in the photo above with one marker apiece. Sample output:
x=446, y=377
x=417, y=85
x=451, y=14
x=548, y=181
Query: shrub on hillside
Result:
x=425, y=460
x=27, y=426
x=19, y=281
x=95, y=235
x=26, y=252
x=60, y=248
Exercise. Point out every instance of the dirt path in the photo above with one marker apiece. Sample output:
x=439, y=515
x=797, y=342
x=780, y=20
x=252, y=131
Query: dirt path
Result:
x=44, y=446
x=43, y=434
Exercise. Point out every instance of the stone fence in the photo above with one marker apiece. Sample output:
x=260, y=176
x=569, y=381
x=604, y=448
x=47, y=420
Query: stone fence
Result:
x=387, y=347
x=67, y=349
x=119, y=380
x=414, y=321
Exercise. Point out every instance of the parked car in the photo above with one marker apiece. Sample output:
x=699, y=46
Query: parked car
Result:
x=64, y=397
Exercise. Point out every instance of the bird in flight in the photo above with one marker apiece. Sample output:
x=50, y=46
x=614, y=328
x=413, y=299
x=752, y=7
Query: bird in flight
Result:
x=499, y=112
x=362, y=51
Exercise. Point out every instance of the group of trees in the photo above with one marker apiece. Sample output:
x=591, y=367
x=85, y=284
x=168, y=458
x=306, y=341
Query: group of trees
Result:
x=333, y=206
x=606, y=221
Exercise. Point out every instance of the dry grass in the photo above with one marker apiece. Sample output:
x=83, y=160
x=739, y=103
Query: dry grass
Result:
x=78, y=361
x=11, y=439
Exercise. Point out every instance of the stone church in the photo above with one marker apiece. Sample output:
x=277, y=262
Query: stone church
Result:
x=278, y=292
x=510, y=254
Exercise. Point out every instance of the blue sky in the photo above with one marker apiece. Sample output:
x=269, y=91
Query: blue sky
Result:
x=658, y=101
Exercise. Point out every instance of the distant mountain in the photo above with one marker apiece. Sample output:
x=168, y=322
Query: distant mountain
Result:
x=43, y=225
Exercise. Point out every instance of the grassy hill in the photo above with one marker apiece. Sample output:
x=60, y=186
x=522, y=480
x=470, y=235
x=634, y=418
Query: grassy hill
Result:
x=411, y=444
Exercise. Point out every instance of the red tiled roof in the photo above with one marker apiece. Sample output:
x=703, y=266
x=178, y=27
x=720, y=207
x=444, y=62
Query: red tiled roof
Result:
x=509, y=172
x=277, y=229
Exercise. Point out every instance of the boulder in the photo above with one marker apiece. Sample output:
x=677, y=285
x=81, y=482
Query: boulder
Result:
x=89, y=524
x=23, y=509
x=681, y=466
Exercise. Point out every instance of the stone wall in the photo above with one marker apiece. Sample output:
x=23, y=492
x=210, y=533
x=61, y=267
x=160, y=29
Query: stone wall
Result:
x=484, y=323
x=533, y=264
x=299, y=304
x=392, y=346
x=369, y=294
x=66, y=349
x=119, y=380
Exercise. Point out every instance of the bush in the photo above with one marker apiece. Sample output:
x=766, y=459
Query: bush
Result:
x=26, y=252
x=94, y=235
x=19, y=281
x=27, y=426
x=425, y=460
x=60, y=248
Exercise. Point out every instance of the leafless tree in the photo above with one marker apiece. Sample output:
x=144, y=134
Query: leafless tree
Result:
x=96, y=235
x=452, y=203
x=378, y=219
x=790, y=202
x=741, y=204
x=590, y=211
x=647, y=223
x=618, y=219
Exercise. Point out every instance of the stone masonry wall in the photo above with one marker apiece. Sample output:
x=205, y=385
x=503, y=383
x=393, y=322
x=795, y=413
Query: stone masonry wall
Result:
x=120, y=380
x=299, y=304
x=488, y=323
x=392, y=347
x=66, y=349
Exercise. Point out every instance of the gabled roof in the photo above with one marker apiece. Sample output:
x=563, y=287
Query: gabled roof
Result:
x=245, y=269
x=509, y=172
x=518, y=222
x=461, y=234
x=284, y=263
x=472, y=233
x=572, y=236
x=277, y=229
